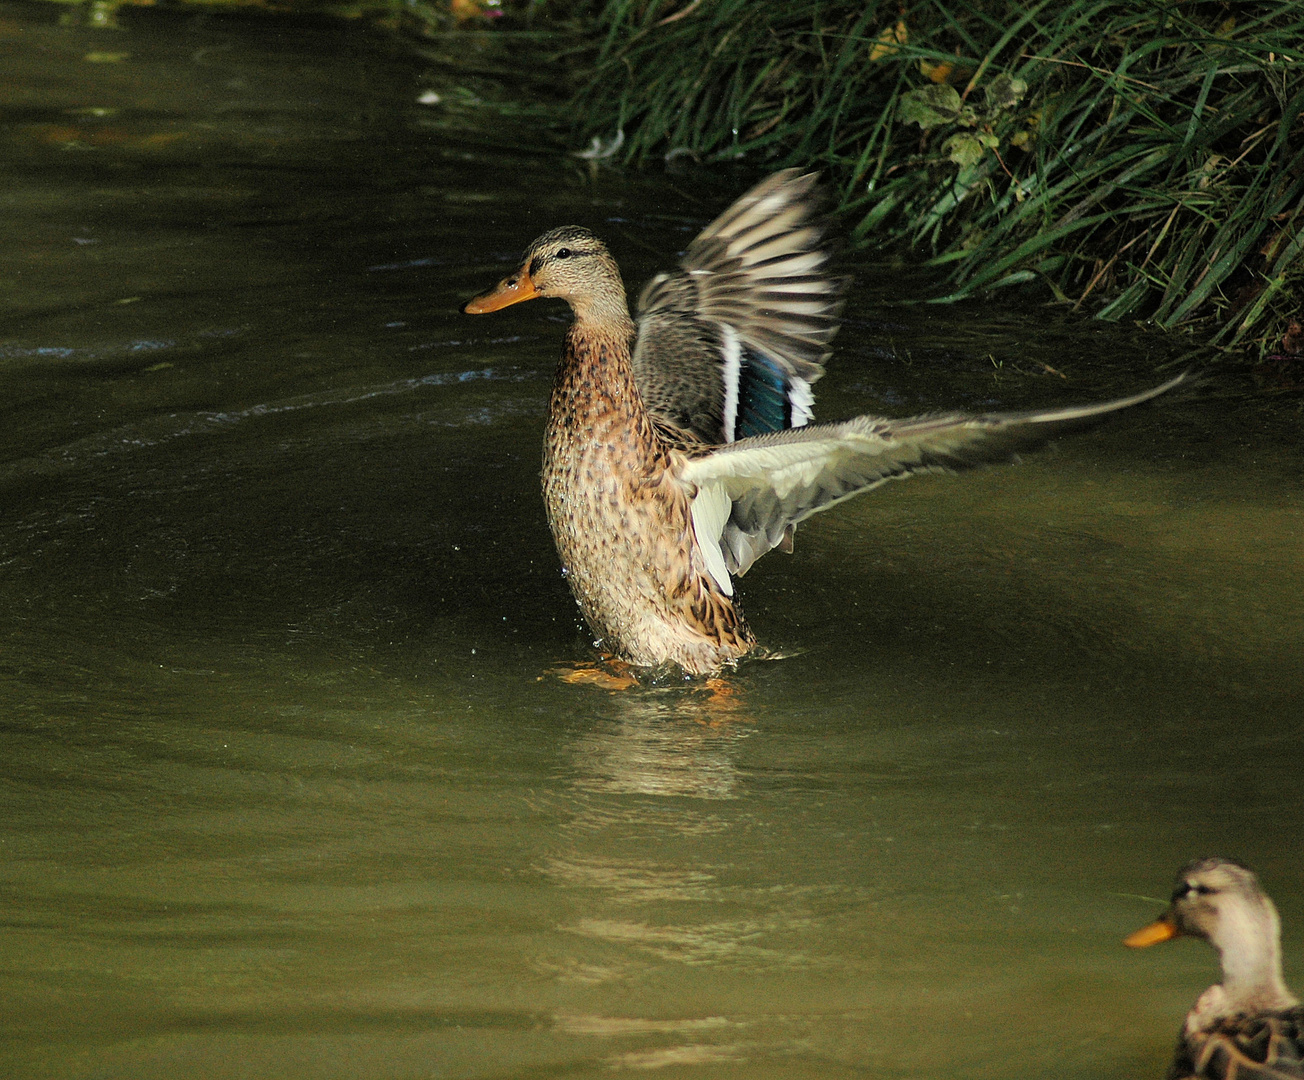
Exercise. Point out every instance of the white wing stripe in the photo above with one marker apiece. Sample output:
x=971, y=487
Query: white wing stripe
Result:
x=732, y=370
x=802, y=401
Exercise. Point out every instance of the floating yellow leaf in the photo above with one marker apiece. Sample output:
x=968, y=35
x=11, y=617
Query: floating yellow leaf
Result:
x=888, y=41
x=937, y=73
x=945, y=71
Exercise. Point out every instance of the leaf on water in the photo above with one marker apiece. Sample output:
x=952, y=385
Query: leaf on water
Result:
x=1004, y=92
x=601, y=149
x=929, y=106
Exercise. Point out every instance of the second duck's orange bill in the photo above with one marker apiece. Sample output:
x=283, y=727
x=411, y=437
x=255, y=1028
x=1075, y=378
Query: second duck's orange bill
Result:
x=1160, y=930
x=509, y=291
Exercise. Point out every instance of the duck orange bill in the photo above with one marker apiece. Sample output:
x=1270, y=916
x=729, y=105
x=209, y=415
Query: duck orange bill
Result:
x=1160, y=930
x=509, y=291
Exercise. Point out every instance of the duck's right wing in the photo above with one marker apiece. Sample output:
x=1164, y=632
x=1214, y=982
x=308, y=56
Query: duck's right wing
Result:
x=729, y=345
x=751, y=492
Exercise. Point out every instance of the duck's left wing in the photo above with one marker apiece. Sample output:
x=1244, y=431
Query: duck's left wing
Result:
x=729, y=345
x=749, y=493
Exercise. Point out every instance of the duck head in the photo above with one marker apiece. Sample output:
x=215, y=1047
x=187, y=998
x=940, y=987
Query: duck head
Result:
x=1220, y=901
x=569, y=263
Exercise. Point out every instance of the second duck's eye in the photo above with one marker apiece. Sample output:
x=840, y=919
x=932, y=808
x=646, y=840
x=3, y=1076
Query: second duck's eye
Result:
x=563, y=253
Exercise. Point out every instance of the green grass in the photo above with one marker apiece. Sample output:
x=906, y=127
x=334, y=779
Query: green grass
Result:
x=1138, y=160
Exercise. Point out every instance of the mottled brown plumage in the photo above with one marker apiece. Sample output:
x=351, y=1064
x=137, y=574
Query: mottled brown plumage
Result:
x=620, y=517
x=677, y=452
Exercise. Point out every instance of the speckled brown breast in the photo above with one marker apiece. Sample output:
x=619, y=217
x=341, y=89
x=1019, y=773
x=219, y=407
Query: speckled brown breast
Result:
x=620, y=518
x=1268, y=1047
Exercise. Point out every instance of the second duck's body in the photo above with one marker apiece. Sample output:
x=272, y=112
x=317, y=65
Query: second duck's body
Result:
x=1249, y=1026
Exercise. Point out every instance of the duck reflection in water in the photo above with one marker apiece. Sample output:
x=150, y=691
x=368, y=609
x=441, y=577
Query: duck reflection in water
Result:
x=667, y=743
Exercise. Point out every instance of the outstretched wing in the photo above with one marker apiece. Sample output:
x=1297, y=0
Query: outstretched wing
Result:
x=751, y=491
x=729, y=345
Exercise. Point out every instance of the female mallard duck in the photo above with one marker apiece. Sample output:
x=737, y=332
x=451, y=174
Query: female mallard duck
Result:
x=678, y=449
x=1250, y=1024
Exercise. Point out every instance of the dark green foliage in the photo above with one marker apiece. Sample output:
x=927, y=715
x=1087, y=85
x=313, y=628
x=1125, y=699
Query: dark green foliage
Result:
x=1139, y=159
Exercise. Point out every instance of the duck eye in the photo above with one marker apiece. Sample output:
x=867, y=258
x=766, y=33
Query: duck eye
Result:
x=563, y=253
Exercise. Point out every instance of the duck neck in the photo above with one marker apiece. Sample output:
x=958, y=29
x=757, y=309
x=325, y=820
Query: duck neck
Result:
x=604, y=309
x=596, y=366
x=1249, y=945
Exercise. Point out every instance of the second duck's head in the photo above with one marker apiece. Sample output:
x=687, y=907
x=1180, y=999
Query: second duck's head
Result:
x=569, y=263
x=1214, y=899
x=1220, y=901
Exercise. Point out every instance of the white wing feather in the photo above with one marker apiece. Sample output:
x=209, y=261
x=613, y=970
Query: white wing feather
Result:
x=756, y=488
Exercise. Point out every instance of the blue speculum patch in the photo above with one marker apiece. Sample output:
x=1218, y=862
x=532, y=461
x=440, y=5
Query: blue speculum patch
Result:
x=762, y=396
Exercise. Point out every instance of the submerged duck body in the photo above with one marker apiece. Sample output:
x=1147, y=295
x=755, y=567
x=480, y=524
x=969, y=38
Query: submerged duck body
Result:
x=678, y=449
x=1249, y=1025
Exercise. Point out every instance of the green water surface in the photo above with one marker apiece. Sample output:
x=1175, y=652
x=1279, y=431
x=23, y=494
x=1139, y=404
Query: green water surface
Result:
x=289, y=787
